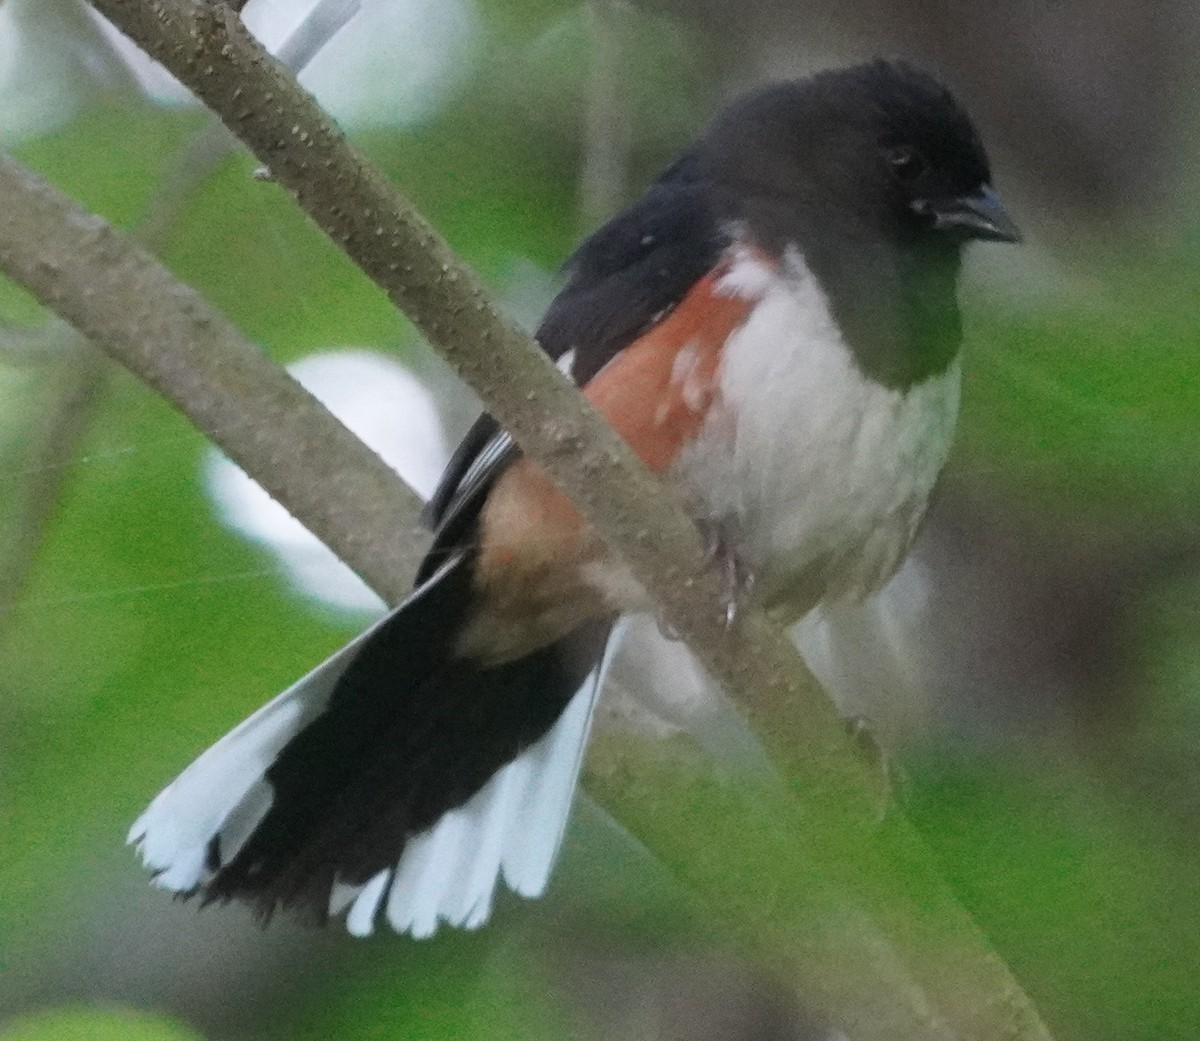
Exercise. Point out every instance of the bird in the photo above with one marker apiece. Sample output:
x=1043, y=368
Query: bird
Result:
x=773, y=328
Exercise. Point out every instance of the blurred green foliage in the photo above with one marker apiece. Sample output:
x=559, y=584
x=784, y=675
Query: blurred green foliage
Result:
x=1091, y=407
x=148, y=629
x=95, y=1025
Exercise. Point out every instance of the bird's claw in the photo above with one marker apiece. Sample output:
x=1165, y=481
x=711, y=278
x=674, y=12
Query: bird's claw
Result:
x=737, y=578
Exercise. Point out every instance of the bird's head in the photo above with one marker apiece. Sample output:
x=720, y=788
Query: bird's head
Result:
x=875, y=150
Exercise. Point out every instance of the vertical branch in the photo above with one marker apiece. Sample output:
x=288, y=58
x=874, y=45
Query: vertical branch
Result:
x=607, y=132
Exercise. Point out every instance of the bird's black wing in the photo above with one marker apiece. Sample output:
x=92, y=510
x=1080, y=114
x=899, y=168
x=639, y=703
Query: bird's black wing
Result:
x=621, y=281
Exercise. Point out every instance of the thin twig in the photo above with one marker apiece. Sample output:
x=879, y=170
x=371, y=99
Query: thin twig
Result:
x=606, y=133
x=32, y=345
x=320, y=25
x=76, y=391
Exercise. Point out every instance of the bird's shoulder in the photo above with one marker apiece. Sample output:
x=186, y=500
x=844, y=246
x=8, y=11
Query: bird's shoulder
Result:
x=632, y=271
x=621, y=281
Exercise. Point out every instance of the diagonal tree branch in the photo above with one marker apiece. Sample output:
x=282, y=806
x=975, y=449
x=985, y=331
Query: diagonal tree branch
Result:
x=131, y=307
x=78, y=385
x=956, y=985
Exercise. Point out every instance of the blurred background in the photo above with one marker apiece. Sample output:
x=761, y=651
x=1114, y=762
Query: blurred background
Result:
x=1050, y=729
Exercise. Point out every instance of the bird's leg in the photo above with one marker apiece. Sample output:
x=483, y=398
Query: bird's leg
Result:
x=737, y=576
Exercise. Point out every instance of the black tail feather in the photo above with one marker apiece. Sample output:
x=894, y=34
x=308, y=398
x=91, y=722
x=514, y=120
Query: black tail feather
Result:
x=409, y=733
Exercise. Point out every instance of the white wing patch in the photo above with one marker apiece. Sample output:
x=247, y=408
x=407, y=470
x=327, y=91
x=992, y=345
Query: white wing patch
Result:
x=512, y=827
x=480, y=470
x=566, y=364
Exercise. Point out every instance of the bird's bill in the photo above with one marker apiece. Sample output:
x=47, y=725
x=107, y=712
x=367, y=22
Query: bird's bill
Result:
x=978, y=216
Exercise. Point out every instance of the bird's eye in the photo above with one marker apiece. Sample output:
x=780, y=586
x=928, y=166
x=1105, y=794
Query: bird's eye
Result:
x=906, y=162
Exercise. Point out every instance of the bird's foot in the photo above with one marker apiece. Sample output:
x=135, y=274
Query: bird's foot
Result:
x=737, y=577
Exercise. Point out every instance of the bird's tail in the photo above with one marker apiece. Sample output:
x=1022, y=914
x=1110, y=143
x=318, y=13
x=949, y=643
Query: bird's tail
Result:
x=394, y=780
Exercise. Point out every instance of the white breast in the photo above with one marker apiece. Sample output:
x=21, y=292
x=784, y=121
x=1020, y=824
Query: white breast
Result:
x=822, y=473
